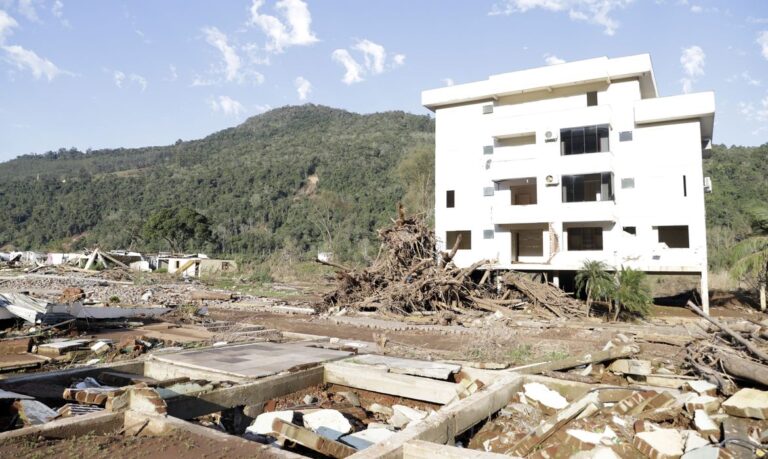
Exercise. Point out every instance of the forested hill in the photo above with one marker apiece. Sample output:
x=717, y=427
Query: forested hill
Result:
x=299, y=177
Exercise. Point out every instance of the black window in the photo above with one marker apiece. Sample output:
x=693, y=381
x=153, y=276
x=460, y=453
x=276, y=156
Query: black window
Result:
x=588, y=187
x=591, y=99
x=676, y=237
x=450, y=199
x=585, y=239
x=587, y=139
x=630, y=230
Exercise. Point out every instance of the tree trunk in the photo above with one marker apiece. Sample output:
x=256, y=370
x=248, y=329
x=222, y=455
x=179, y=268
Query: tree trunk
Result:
x=616, y=305
x=589, y=300
x=762, y=296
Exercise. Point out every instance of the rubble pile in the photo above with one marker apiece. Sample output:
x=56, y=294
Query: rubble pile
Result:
x=410, y=277
x=636, y=408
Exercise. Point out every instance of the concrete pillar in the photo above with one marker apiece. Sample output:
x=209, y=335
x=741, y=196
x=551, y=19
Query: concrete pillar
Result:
x=705, y=292
x=556, y=278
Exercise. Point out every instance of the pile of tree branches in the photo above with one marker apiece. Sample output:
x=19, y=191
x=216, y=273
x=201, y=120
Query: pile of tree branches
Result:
x=410, y=276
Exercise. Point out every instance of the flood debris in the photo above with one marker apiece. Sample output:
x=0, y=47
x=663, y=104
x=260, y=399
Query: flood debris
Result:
x=410, y=277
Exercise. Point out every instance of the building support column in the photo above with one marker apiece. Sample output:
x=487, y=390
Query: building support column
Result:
x=556, y=278
x=705, y=292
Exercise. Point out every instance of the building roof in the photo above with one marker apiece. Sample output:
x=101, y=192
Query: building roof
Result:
x=547, y=78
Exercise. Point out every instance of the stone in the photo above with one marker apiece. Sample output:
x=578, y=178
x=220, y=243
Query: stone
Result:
x=100, y=347
x=660, y=444
x=367, y=437
x=351, y=397
x=600, y=452
x=545, y=396
x=631, y=367
x=381, y=409
x=309, y=399
x=707, y=452
x=702, y=402
x=748, y=403
x=704, y=424
x=262, y=425
x=330, y=424
x=693, y=440
x=702, y=387
x=404, y=415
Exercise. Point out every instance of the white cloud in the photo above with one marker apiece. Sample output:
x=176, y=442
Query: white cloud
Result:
x=354, y=71
x=219, y=40
x=593, y=11
x=759, y=114
x=696, y=9
x=692, y=60
x=26, y=59
x=303, y=87
x=762, y=40
x=294, y=30
x=687, y=84
x=448, y=81
x=374, y=58
x=120, y=79
x=227, y=106
x=140, y=80
x=374, y=54
x=551, y=59
x=7, y=24
x=57, y=9
x=749, y=80
x=27, y=9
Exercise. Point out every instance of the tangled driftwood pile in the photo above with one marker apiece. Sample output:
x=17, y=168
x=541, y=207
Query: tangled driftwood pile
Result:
x=410, y=277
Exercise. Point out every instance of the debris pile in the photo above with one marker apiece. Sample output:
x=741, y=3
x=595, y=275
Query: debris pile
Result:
x=648, y=410
x=410, y=277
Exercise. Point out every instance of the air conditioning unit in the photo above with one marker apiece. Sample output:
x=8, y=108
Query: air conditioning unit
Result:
x=707, y=185
x=551, y=180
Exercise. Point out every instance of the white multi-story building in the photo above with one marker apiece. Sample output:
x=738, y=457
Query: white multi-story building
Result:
x=539, y=170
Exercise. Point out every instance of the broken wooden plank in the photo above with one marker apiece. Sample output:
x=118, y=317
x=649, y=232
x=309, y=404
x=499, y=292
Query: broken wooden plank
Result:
x=583, y=359
x=209, y=295
x=311, y=440
x=552, y=425
x=740, y=339
x=443, y=426
x=377, y=380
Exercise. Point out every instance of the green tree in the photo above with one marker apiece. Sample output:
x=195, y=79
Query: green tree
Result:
x=181, y=227
x=749, y=257
x=631, y=293
x=594, y=279
x=416, y=172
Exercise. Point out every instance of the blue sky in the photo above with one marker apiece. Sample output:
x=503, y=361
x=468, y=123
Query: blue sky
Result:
x=94, y=74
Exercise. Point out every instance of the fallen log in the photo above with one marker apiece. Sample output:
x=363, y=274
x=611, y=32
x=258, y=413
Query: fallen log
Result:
x=743, y=368
x=750, y=347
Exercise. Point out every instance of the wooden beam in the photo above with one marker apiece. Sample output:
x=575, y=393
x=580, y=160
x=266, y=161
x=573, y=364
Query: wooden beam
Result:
x=377, y=380
x=419, y=449
x=450, y=421
x=311, y=440
x=571, y=362
x=262, y=390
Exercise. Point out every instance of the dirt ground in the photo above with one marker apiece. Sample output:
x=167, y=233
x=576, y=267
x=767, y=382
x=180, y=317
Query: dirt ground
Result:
x=174, y=445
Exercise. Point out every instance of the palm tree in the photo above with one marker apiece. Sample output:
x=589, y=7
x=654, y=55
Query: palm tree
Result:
x=631, y=293
x=749, y=258
x=594, y=279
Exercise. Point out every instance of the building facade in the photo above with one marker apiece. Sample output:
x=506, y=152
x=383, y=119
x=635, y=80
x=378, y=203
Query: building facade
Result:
x=539, y=170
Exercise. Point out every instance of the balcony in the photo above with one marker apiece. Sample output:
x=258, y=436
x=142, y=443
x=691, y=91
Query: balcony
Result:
x=505, y=214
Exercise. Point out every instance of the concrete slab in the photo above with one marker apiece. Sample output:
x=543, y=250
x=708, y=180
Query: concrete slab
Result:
x=748, y=403
x=255, y=360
